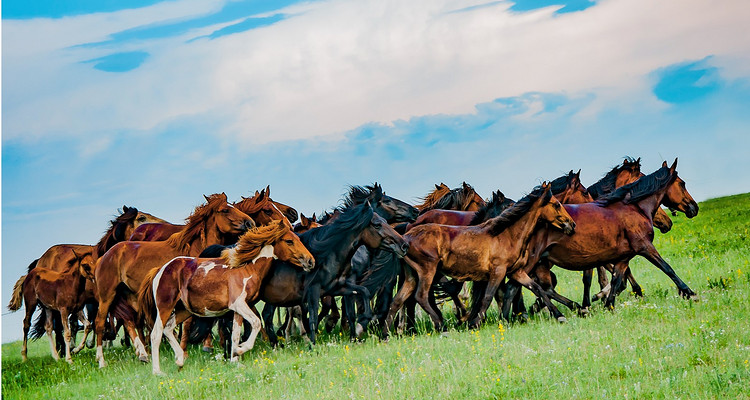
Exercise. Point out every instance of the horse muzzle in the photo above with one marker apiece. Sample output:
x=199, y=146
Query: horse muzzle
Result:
x=569, y=228
x=307, y=264
x=692, y=210
x=248, y=224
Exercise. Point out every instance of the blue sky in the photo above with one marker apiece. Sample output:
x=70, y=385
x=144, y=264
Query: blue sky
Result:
x=156, y=104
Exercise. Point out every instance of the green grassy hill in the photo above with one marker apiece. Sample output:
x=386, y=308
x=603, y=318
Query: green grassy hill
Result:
x=660, y=346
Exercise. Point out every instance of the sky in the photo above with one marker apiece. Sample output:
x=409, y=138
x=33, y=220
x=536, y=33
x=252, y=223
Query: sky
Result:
x=159, y=103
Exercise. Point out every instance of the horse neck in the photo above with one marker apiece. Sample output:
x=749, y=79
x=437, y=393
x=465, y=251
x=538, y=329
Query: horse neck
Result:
x=259, y=268
x=651, y=203
x=338, y=259
x=520, y=232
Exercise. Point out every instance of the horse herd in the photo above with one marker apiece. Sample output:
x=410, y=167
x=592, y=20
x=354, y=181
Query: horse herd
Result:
x=228, y=257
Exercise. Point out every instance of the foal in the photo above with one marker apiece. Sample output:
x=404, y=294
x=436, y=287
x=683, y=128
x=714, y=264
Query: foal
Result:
x=59, y=291
x=209, y=287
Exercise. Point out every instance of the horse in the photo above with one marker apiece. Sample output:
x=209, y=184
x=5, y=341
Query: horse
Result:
x=614, y=229
x=261, y=208
x=63, y=292
x=209, y=287
x=305, y=224
x=462, y=198
x=483, y=252
x=63, y=257
x=333, y=246
x=121, y=270
x=394, y=211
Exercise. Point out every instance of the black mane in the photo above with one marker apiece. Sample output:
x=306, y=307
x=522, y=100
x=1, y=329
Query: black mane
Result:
x=492, y=209
x=325, y=239
x=640, y=189
x=516, y=211
x=607, y=183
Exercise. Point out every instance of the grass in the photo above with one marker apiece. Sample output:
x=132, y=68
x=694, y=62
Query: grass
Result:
x=660, y=346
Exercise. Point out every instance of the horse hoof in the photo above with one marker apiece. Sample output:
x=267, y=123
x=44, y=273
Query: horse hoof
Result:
x=694, y=297
x=444, y=334
x=70, y=361
x=583, y=312
x=143, y=359
x=207, y=349
x=562, y=320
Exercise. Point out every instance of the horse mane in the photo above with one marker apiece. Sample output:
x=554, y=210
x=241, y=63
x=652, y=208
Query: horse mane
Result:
x=116, y=229
x=195, y=224
x=458, y=198
x=358, y=195
x=492, y=208
x=607, y=183
x=513, y=213
x=325, y=239
x=251, y=243
x=640, y=189
x=429, y=200
x=249, y=205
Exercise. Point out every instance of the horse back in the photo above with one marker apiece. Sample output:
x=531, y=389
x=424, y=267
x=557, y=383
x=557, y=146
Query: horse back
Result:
x=62, y=257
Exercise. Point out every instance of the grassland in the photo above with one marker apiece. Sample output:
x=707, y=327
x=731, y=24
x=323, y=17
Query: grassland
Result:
x=660, y=346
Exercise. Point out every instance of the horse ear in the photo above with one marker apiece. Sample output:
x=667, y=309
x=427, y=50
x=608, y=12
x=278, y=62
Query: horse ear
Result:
x=578, y=174
x=304, y=219
x=260, y=197
x=313, y=217
x=437, y=186
x=125, y=209
x=268, y=190
x=205, y=197
x=674, y=165
x=664, y=163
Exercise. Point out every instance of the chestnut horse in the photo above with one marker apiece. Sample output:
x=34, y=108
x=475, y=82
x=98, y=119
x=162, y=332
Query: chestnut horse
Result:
x=208, y=287
x=614, y=229
x=121, y=270
x=261, y=208
x=63, y=257
x=483, y=252
x=462, y=198
x=63, y=292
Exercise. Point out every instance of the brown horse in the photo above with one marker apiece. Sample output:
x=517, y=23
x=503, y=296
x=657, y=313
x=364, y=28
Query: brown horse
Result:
x=462, y=198
x=614, y=229
x=120, y=271
x=64, y=292
x=209, y=287
x=305, y=224
x=261, y=208
x=63, y=257
x=483, y=252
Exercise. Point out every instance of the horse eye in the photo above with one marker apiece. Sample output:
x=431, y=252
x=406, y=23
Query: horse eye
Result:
x=268, y=212
x=289, y=242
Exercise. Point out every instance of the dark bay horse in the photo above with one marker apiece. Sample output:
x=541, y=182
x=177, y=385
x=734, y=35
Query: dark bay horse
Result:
x=121, y=270
x=333, y=246
x=208, y=287
x=378, y=281
x=614, y=229
x=64, y=292
x=483, y=252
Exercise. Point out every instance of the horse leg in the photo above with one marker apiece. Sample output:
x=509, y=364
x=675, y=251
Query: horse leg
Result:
x=244, y=311
x=423, y=292
x=311, y=301
x=86, y=330
x=50, y=335
x=489, y=294
x=67, y=335
x=138, y=346
x=325, y=308
x=637, y=290
x=175, y=319
x=617, y=281
x=267, y=315
x=521, y=277
x=653, y=256
x=186, y=325
x=588, y=275
x=99, y=324
x=30, y=308
x=406, y=290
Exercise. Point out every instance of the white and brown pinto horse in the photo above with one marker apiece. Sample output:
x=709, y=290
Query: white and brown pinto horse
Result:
x=209, y=287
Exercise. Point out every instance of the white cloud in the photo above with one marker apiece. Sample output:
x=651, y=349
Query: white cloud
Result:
x=339, y=64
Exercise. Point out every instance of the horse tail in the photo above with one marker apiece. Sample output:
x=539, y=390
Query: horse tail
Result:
x=38, y=329
x=16, y=300
x=200, y=329
x=146, y=301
